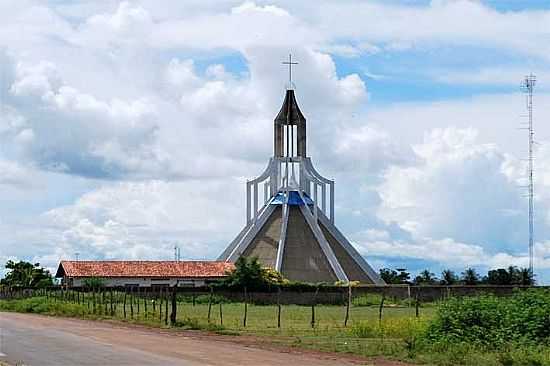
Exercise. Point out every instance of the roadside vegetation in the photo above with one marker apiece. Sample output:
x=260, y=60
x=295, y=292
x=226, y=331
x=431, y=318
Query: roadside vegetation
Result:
x=480, y=330
x=483, y=330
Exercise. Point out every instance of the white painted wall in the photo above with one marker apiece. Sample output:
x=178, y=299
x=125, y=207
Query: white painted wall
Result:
x=143, y=281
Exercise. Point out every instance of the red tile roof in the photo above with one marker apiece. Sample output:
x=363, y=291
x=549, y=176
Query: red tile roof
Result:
x=192, y=269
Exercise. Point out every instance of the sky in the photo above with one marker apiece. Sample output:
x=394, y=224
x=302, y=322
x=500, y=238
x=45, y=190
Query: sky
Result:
x=129, y=127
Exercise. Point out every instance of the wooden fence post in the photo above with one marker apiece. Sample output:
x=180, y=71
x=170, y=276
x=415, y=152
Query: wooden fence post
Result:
x=160, y=304
x=104, y=291
x=94, y=299
x=145, y=299
x=166, y=306
x=245, y=307
x=313, y=307
x=137, y=300
x=381, y=308
x=416, y=304
x=111, y=301
x=132, y=302
x=124, y=304
x=279, y=307
x=221, y=313
x=210, y=302
x=348, y=305
x=174, y=306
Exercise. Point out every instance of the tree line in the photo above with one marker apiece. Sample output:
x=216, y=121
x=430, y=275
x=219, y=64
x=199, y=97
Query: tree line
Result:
x=250, y=273
x=500, y=276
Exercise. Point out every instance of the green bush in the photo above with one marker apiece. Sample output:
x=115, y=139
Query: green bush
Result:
x=493, y=322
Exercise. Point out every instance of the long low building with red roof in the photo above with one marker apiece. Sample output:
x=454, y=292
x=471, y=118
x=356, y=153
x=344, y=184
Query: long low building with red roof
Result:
x=143, y=273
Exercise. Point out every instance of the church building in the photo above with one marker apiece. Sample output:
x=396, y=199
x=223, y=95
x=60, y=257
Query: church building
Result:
x=290, y=214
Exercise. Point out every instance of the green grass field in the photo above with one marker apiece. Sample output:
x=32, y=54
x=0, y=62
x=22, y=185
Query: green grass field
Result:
x=397, y=336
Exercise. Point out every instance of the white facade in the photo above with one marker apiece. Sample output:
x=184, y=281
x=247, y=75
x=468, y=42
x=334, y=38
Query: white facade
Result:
x=140, y=281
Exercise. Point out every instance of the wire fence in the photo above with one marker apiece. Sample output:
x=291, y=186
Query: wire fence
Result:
x=240, y=309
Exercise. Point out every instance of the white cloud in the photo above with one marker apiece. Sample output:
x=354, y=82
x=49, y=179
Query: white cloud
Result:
x=441, y=22
x=129, y=25
x=147, y=219
x=495, y=75
x=449, y=253
x=80, y=131
x=458, y=189
x=16, y=175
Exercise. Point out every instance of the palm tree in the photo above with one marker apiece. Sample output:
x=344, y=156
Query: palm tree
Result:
x=448, y=277
x=526, y=277
x=470, y=277
x=425, y=278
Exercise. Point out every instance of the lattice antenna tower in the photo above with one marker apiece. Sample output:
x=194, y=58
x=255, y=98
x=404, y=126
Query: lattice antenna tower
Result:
x=528, y=85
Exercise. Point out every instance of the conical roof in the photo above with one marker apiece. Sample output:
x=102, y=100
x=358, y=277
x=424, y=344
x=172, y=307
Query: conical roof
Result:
x=303, y=256
x=290, y=113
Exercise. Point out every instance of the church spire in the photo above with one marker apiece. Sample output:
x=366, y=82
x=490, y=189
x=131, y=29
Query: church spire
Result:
x=288, y=117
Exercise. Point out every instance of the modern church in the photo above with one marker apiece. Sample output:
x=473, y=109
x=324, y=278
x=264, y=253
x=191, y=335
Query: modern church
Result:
x=290, y=214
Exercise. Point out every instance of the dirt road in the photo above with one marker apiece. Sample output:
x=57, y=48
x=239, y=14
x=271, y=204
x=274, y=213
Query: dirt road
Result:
x=41, y=341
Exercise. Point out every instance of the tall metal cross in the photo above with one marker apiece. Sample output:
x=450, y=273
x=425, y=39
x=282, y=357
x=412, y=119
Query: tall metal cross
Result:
x=289, y=63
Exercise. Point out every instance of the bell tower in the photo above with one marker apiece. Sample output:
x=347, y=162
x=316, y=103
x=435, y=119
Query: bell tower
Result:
x=289, y=129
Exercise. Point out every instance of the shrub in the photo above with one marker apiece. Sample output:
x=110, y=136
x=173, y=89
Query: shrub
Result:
x=493, y=322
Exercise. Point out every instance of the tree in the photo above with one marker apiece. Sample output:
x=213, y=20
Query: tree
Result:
x=448, y=277
x=526, y=277
x=25, y=274
x=510, y=276
x=249, y=273
x=515, y=275
x=425, y=278
x=391, y=276
x=499, y=276
x=470, y=277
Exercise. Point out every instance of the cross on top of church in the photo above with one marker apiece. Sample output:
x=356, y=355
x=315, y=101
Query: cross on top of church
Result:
x=289, y=63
